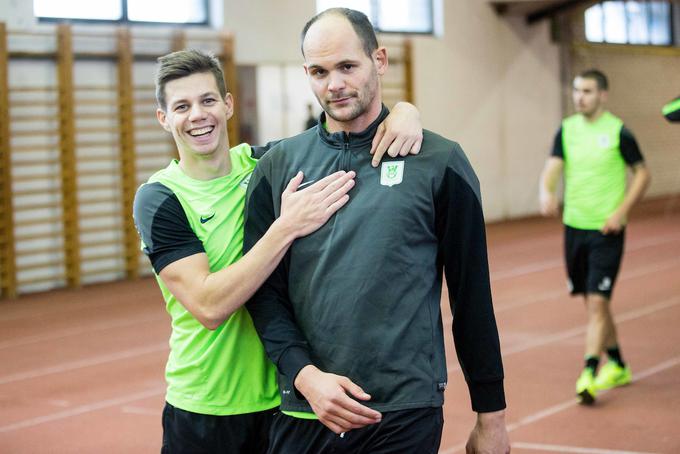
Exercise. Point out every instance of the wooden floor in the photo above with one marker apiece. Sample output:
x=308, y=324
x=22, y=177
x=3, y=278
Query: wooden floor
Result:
x=82, y=371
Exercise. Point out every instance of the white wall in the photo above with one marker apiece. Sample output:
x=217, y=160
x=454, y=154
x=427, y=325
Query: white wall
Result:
x=492, y=84
x=267, y=32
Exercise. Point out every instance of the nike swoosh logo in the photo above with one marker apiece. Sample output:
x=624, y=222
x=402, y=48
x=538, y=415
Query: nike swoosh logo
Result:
x=204, y=220
x=306, y=183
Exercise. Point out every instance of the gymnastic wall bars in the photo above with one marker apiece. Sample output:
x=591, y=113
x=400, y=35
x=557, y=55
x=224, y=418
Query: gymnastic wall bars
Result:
x=78, y=135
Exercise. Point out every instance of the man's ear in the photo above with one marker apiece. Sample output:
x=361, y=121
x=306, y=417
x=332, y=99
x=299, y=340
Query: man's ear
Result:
x=604, y=95
x=380, y=60
x=162, y=119
x=229, y=102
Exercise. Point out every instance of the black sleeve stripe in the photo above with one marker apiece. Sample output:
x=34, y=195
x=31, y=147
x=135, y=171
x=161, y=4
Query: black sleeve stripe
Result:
x=557, y=149
x=163, y=226
x=629, y=147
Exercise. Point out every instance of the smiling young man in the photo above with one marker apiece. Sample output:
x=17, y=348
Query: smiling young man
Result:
x=221, y=387
x=592, y=150
x=351, y=317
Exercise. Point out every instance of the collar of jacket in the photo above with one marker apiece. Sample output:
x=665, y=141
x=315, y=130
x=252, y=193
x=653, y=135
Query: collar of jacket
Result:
x=358, y=139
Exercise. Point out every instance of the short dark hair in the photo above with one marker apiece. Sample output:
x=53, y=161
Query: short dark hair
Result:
x=184, y=63
x=598, y=76
x=360, y=23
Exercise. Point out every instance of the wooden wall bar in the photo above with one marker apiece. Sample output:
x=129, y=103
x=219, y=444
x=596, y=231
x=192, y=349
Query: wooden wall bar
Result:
x=231, y=79
x=7, y=253
x=67, y=155
x=127, y=151
x=408, y=71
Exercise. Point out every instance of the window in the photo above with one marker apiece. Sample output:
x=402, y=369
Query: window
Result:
x=129, y=11
x=630, y=22
x=390, y=16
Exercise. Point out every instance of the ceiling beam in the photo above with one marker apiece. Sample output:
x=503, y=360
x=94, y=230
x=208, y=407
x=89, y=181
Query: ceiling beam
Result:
x=556, y=8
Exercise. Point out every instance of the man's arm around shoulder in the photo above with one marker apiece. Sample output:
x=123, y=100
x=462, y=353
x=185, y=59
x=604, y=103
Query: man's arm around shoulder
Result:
x=212, y=297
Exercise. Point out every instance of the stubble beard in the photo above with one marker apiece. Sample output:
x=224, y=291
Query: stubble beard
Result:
x=360, y=103
x=357, y=109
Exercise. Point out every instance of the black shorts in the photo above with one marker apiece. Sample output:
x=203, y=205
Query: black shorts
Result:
x=593, y=260
x=188, y=432
x=417, y=431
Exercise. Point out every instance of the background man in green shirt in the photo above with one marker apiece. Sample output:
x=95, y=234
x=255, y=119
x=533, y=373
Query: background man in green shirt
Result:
x=672, y=110
x=221, y=387
x=592, y=150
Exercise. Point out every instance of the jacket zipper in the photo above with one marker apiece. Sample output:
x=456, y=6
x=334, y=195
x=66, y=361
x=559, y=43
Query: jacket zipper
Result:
x=346, y=155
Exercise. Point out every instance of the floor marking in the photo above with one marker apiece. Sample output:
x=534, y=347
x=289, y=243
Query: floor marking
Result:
x=653, y=268
x=560, y=448
x=550, y=411
x=17, y=342
x=533, y=267
x=580, y=330
x=535, y=298
x=93, y=361
x=545, y=265
x=140, y=411
x=549, y=295
x=88, y=408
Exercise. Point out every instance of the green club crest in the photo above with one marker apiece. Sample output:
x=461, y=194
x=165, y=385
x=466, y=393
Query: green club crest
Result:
x=391, y=173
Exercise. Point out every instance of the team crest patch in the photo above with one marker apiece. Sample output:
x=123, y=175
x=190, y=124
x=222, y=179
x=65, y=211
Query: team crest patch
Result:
x=391, y=173
x=604, y=141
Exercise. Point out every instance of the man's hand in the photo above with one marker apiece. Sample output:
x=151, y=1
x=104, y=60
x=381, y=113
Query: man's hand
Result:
x=550, y=206
x=613, y=225
x=489, y=435
x=331, y=397
x=552, y=171
x=400, y=134
x=306, y=210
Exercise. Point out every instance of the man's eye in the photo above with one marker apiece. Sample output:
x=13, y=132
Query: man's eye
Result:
x=180, y=107
x=209, y=101
x=347, y=67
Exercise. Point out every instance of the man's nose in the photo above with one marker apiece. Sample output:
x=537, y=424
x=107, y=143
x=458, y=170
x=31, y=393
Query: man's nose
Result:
x=336, y=81
x=197, y=112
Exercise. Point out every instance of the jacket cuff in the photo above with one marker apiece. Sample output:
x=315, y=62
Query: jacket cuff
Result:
x=292, y=361
x=487, y=396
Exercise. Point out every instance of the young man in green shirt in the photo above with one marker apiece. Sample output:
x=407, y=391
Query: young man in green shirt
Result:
x=592, y=150
x=221, y=387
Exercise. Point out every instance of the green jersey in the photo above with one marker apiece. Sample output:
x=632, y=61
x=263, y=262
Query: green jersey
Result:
x=220, y=372
x=595, y=155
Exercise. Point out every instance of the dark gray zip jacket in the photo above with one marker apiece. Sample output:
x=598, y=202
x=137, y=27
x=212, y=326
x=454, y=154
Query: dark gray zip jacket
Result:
x=361, y=296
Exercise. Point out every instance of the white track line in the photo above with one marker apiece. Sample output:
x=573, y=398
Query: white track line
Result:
x=553, y=410
x=93, y=361
x=580, y=330
x=570, y=449
x=82, y=409
x=17, y=342
x=550, y=295
x=140, y=410
x=536, y=267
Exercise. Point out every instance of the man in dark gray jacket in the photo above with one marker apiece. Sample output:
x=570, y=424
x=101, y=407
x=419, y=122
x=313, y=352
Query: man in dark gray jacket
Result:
x=351, y=317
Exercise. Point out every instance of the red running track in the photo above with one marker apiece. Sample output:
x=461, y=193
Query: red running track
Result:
x=82, y=371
